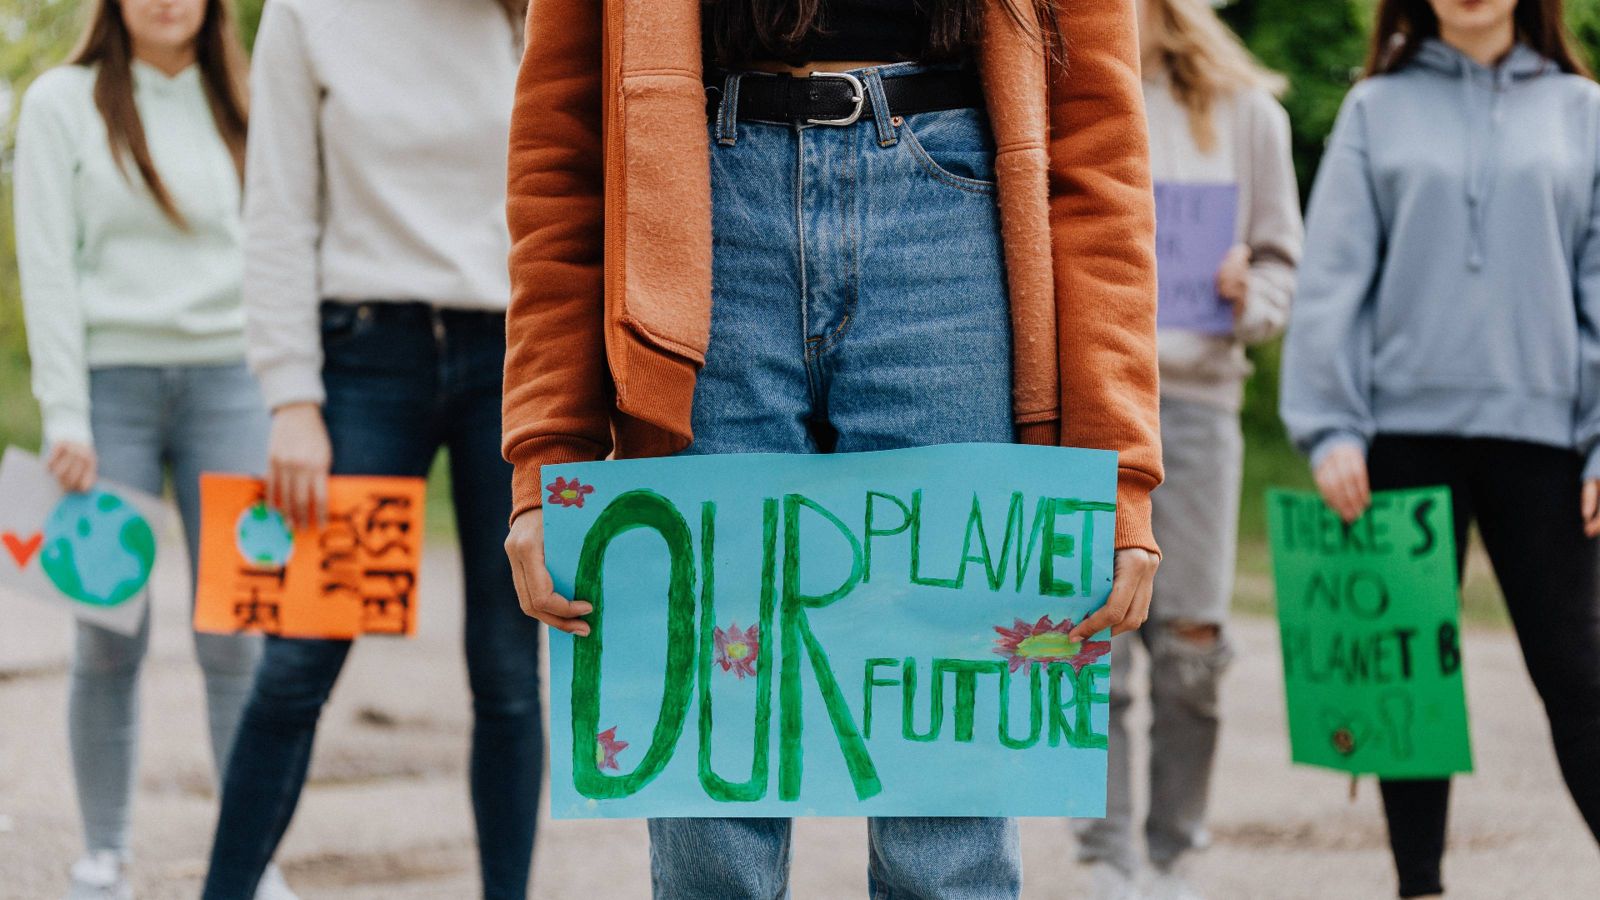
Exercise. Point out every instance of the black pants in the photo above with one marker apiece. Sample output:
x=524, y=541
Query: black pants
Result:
x=1525, y=499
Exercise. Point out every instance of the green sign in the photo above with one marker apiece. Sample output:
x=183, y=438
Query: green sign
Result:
x=1369, y=614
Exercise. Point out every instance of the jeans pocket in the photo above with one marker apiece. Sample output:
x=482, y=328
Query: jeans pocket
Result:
x=343, y=323
x=954, y=146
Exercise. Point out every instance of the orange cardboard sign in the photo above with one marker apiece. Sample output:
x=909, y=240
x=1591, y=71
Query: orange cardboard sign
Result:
x=356, y=575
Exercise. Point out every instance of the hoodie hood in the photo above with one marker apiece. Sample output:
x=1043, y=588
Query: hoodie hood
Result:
x=1481, y=90
x=1522, y=62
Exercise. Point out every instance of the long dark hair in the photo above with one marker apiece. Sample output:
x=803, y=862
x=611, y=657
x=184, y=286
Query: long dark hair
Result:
x=746, y=30
x=223, y=71
x=1403, y=25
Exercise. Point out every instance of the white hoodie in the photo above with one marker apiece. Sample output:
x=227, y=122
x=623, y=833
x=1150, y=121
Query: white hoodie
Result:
x=1251, y=151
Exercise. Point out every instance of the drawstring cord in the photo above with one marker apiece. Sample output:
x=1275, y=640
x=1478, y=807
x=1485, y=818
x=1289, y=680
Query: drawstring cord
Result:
x=1478, y=161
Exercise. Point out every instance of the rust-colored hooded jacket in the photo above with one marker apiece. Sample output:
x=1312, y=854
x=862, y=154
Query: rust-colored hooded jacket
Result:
x=610, y=215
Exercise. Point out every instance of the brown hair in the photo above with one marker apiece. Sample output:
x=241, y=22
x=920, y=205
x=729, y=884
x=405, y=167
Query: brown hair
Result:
x=745, y=30
x=1205, y=61
x=223, y=71
x=1403, y=25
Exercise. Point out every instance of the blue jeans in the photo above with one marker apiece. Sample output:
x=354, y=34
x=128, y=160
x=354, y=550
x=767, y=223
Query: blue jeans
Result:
x=858, y=303
x=147, y=420
x=402, y=381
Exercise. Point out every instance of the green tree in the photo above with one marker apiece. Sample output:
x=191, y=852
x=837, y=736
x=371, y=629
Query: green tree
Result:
x=1320, y=47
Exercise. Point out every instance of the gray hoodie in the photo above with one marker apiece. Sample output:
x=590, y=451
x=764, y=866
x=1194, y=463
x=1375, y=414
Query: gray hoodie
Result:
x=1451, y=277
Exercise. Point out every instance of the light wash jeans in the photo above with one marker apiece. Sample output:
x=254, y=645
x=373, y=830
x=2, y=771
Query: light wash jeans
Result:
x=147, y=421
x=1196, y=520
x=858, y=303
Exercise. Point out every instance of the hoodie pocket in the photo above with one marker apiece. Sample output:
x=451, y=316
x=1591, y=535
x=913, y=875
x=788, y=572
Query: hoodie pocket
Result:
x=665, y=280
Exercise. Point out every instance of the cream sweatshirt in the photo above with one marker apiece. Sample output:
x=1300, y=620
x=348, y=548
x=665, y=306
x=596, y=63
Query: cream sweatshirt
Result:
x=376, y=168
x=107, y=278
x=1252, y=151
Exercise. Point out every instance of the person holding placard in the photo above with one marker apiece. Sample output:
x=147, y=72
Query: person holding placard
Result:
x=1447, y=332
x=376, y=287
x=128, y=168
x=1228, y=235
x=739, y=228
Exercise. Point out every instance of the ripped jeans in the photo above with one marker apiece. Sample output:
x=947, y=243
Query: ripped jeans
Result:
x=1196, y=522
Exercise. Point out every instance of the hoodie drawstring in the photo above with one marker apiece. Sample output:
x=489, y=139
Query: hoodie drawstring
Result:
x=1479, y=161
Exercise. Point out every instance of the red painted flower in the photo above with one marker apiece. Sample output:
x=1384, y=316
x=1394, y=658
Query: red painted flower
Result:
x=568, y=493
x=606, y=748
x=1045, y=643
x=737, y=650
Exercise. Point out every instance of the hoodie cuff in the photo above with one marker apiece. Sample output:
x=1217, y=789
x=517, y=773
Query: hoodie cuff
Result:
x=532, y=455
x=1259, y=320
x=288, y=383
x=1133, y=511
x=65, y=425
x=1591, y=468
x=1334, y=440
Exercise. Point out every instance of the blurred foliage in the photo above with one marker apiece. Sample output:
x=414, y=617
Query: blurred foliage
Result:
x=1320, y=46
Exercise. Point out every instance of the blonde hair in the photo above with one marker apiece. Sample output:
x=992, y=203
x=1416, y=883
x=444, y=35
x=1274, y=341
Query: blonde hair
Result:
x=1204, y=60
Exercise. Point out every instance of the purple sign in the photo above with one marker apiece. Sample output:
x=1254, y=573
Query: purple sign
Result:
x=1194, y=229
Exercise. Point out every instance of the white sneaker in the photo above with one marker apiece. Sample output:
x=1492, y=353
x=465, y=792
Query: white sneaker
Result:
x=1170, y=884
x=99, y=876
x=1107, y=882
x=272, y=886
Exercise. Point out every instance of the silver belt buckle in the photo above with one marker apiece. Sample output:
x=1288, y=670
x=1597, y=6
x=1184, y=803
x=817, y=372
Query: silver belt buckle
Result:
x=860, y=99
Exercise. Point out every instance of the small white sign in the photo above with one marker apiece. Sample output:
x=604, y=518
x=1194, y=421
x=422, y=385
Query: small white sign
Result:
x=92, y=553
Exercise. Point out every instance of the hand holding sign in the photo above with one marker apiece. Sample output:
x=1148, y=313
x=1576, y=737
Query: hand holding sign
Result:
x=535, y=590
x=74, y=466
x=1342, y=480
x=1233, y=278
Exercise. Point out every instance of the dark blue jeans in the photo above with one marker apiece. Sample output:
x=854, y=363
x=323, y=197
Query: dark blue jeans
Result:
x=402, y=381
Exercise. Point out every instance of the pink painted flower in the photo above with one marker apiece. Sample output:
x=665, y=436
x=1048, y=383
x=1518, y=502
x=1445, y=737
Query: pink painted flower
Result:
x=737, y=650
x=568, y=493
x=606, y=748
x=1045, y=643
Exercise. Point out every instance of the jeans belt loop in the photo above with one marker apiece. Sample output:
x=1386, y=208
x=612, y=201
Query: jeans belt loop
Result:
x=728, y=110
x=888, y=135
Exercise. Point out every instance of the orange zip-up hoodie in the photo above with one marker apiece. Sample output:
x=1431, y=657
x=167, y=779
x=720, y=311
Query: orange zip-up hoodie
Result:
x=610, y=214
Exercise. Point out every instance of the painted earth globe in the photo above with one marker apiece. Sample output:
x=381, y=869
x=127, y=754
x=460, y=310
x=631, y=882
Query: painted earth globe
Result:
x=98, y=549
x=264, y=538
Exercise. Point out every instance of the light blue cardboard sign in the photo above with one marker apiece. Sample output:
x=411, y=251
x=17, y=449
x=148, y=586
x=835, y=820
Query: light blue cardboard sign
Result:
x=878, y=634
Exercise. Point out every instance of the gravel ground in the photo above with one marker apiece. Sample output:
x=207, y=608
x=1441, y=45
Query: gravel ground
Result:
x=386, y=814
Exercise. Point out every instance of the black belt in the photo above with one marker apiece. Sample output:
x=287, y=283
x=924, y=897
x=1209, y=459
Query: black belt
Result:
x=840, y=98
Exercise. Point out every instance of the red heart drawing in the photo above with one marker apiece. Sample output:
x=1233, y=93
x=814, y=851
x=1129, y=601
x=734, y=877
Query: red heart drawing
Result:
x=22, y=550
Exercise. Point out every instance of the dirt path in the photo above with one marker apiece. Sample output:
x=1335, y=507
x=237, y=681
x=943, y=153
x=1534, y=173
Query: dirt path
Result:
x=386, y=815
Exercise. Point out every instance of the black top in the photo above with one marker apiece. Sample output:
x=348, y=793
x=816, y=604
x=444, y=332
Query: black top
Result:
x=853, y=30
